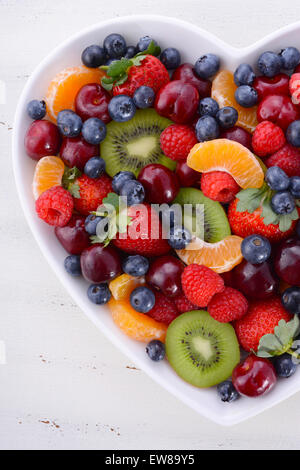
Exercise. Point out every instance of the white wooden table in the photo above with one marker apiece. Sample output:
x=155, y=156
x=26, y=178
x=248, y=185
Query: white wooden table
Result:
x=64, y=385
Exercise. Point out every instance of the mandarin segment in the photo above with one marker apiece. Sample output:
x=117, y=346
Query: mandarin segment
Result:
x=123, y=285
x=48, y=173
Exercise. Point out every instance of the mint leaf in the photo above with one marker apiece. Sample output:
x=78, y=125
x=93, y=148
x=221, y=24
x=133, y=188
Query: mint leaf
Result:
x=281, y=341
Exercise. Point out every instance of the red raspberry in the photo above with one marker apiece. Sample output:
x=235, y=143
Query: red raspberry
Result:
x=164, y=309
x=267, y=139
x=91, y=192
x=287, y=158
x=177, y=140
x=228, y=305
x=183, y=304
x=200, y=284
x=219, y=186
x=55, y=206
x=294, y=86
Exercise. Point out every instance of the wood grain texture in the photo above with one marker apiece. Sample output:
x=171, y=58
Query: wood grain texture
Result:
x=64, y=385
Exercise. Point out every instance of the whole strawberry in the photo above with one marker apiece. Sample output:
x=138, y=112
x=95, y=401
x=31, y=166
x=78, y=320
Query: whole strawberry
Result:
x=164, y=310
x=88, y=192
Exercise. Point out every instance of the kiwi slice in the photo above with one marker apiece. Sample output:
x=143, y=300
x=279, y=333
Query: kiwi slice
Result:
x=216, y=225
x=201, y=350
x=131, y=145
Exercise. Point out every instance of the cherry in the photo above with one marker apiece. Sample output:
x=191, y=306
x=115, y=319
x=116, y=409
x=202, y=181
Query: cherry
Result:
x=178, y=101
x=76, y=152
x=254, y=377
x=73, y=236
x=165, y=274
x=42, y=139
x=185, y=73
x=297, y=69
x=160, y=183
x=186, y=175
x=278, y=85
x=287, y=261
x=238, y=134
x=92, y=101
x=278, y=109
x=256, y=281
x=100, y=264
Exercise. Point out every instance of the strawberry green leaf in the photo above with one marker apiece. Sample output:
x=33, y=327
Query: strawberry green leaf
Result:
x=249, y=200
x=112, y=199
x=152, y=49
x=74, y=189
x=118, y=67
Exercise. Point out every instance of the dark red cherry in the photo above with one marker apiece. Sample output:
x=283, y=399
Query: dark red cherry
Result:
x=92, y=101
x=186, y=175
x=256, y=281
x=254, y=377
x=297, y=69
x=278, y=109
x=73, y=236
x=238, y=134
x=160, y=183
x=99, y=264
x=185, y=73
x=76, y=152
x=42, y=139
x=287, y=261
x=278, y=85
x=178, y=101
x=165, y=275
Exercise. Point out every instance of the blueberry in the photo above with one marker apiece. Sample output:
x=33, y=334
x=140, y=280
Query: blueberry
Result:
x=69, y=123
x=293, y=133
x=171, y=58
x=208, y=107
x=156, y=350
x=99, y=293
x=94, y=167
x=130, y=52
x=142, y=299
x=134, y=191
x=246, y=96
x=120, y=178
x=207, y=66
x=144, y=97
x=171, y=216
x=298, y=229
x=244, y=75
x=72, y=265
x=136, y=265
x=285, y=365
x=110, y=61
x=91, y=223
x=207, y=128
x=277, y=179
x=291, y=300
x=227, y=117
x=93, y=56
x=290, y=57
x=256, y=249
x=269, y=64
x=283, y=203
x=121, y=108
x=36, y=109
x=295, y=186
x=115, y=46
x=94, y=131
x=227, y=392
x=144, y=43
x=180, y=237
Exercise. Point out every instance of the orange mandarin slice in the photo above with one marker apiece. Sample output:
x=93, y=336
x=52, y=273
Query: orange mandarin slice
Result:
x=48, y=173
x=123, y=285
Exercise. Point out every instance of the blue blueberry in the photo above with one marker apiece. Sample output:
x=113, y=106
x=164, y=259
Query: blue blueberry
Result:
x=36, y=109
x=291, y=300
x=171, y=58
x=285, y=365
x=144, y=43
x=295, y=186
x=94, y=167
x=134, y=191
x=293, y=133
x=208, y=107
x=72, y=265
x=142, y=299
x=246, y=96
x=69, y=123
x=121, y=108
x=144, y=97
x=115, y=46
x=277, y=179
x=91, y=223
x=244, y=75
x=99, y=293
x=298, y=229
x=156, y=350
x=136, y=265
x=227, y=392
x=119, y=180
x=256, y=249
x=227, y=117
x=180, y=237
x=290, y=57
x=130, y=52
x=93, y=56
x=207, y=66
x=269, y=64
x=283, y=203
x=171, y=216
x=207, y=128
x=93, y=131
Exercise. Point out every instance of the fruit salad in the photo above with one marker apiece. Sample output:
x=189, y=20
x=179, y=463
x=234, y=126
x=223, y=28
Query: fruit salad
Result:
x=174, y=189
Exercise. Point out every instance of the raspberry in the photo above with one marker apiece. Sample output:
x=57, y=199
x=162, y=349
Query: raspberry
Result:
x=287, y=158
x=200, y=284
x=267, y=139
x=228, y=305
x=177, y=140
x=219, y=186
x=261, y=319
x=164, y=310
x=55, y=206
x=294, y=86
x=91, y=191
x=183, y=304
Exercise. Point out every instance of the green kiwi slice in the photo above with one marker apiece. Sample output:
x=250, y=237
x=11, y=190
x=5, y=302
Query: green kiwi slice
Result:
x=202, y=351
x=131, y=145
x=216, y=226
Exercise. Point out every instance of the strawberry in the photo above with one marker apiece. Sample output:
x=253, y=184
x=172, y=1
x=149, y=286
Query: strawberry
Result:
x=89, y=192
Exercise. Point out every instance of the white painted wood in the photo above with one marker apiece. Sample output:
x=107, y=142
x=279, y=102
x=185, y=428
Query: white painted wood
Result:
x=64, y=385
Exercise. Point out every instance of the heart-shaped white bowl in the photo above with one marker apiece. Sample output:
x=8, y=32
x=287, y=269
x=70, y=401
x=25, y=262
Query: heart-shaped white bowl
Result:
x=192, y=42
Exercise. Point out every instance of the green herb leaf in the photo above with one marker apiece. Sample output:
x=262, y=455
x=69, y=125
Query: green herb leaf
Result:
x=152, y=49
x=118, y=67
x=281, y=341
x=112, y=199
x=249, y=200
x=74, y=189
